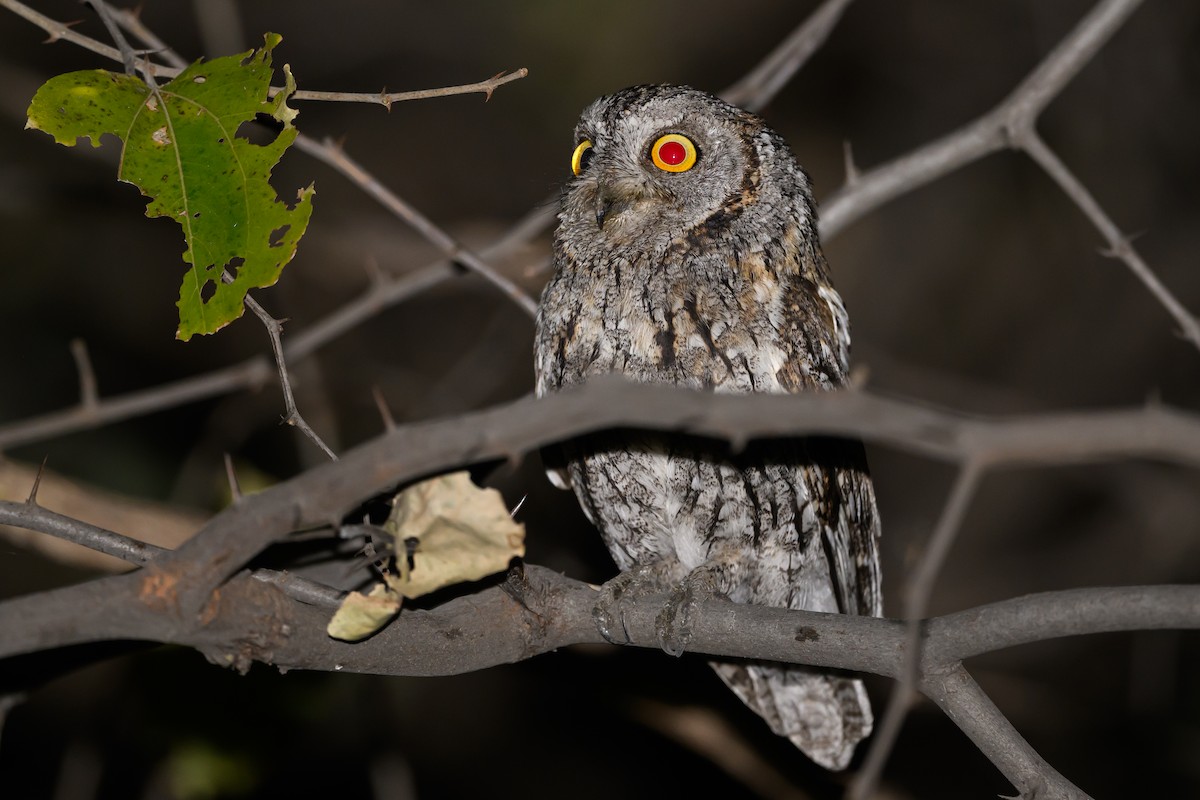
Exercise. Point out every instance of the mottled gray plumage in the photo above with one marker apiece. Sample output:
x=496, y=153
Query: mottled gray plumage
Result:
x=713, y=278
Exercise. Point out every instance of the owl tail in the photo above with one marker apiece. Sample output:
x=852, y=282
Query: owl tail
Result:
x=824, y=715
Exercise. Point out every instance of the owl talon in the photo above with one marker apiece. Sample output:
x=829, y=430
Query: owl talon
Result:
x=610, y=619
x=608, y=611
x=674, y=623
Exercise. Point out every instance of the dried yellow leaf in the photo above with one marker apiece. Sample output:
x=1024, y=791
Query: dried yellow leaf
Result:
x=361, y=615
x=455, y=531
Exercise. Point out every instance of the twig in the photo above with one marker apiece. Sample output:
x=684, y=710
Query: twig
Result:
x=274, y=330
x=918, y=590
x=59, y=30
x=333, y=155
x=36, y=518
x=128, y=59
x=88, y=396
x=759, y=86
x=386, y=98
x=132, y=23
x=385, y=413
x=235, y=488
x=1119, y=244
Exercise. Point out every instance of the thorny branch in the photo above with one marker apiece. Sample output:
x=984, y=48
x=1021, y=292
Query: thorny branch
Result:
x=1011, y=124
x=130, y=21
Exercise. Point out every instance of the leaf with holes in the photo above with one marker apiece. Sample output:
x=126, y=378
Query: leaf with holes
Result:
x=185, y=149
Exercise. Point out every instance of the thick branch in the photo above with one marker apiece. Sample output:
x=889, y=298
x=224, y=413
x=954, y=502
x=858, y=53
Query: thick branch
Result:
x=323, y=495
x=496, y=629
x=541, y=611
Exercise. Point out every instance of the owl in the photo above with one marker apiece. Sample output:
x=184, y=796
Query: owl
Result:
x=687, y=254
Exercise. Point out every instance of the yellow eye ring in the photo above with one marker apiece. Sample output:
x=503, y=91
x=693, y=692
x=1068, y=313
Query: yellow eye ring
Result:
x=582, y=156
x=673, y=153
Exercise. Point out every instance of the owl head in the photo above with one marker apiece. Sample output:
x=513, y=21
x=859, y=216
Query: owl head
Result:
x=653, y=163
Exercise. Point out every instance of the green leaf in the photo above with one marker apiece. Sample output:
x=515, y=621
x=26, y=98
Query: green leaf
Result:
x=181, y=149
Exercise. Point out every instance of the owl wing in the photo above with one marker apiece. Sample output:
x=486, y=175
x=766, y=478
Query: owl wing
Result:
x=817, y=331
x=844, y=500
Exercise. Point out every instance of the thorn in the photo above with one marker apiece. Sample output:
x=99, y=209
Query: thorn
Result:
x=517, y=507
x=852, y=173
x=374, y=273
x=37, y=483
x=88, y=396
x=389, y=424
x=1123, y=247
x=487, y=95
x=235, y=489
x=54, y=36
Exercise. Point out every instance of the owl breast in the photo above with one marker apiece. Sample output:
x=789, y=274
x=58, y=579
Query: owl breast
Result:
x=750, y=322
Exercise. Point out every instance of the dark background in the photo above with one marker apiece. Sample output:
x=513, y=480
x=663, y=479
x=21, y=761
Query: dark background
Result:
x=984, y=291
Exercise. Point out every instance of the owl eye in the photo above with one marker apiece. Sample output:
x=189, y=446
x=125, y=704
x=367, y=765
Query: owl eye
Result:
x=582, y=156
x=673, y=153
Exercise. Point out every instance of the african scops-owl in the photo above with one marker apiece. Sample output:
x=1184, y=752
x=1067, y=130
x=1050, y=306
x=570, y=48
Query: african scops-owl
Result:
x=687, y=253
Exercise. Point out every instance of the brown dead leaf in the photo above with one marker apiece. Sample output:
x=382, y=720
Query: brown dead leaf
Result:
x=462, y=532
x=361, y=615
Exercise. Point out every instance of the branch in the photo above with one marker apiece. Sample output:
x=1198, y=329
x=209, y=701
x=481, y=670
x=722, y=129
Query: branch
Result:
x=918, y=591
x=760, y=85
x=59, y=30
x=539, y=610
x=386, y=98
x=31, y=516
x=131, y=22
x=274, y=332
x=333, y=155
x=1011, y=124
x=987, y=134
x=322, y=496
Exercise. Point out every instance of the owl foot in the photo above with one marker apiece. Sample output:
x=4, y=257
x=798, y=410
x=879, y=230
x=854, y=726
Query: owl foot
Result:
x=674, y=623
x=608, y=612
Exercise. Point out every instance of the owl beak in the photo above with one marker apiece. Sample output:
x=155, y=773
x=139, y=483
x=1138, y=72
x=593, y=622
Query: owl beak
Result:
x=608, y=204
